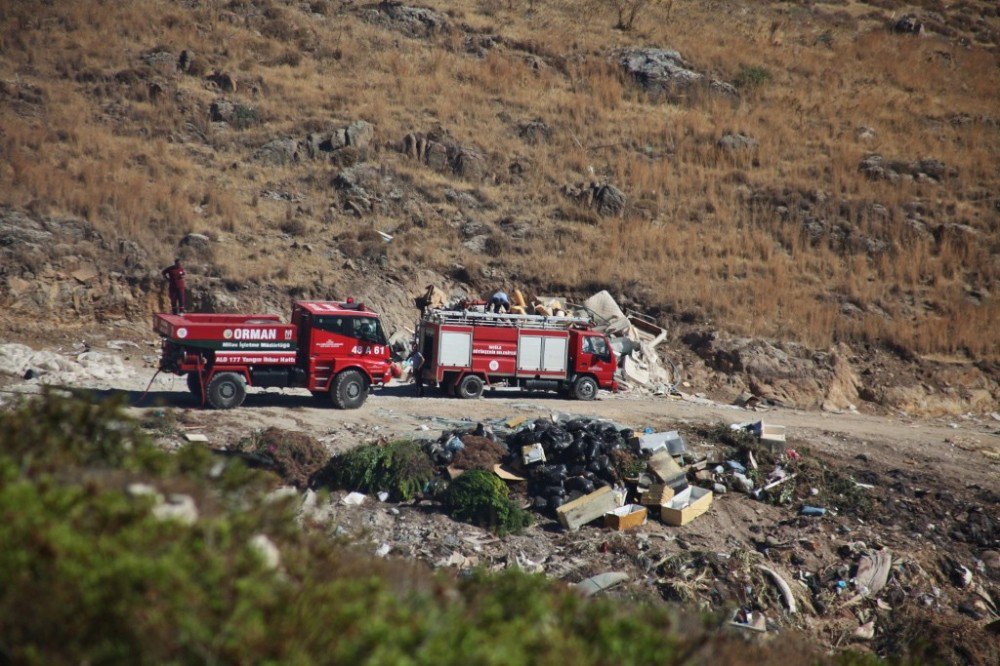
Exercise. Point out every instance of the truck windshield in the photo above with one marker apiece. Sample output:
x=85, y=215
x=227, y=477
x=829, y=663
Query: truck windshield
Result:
x=368, y=329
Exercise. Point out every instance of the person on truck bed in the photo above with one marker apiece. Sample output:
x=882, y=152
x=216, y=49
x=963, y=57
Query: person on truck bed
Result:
x=175, y=275
x=498, y=303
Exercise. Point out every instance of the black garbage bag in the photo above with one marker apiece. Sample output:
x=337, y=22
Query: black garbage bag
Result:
x=523, y=437
x=555, y=502
x=556, y=439
x=554, y=489
x=576, y=425
x=580, y=484
x=539, y=503
x=553, y=473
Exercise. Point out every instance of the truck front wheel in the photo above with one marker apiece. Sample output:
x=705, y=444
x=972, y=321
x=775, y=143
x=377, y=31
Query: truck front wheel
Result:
x=470, y=387
x=349, y=390
x=584, y=388
x=226, y=391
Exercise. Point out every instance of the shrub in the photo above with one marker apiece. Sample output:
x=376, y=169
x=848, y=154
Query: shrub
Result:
x=245, y=116
x=481, y=498
x=752, y=78
x=400, y=468
x=295, y=456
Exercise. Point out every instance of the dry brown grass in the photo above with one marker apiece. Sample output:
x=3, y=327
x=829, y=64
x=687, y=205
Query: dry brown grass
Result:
x=153, y=169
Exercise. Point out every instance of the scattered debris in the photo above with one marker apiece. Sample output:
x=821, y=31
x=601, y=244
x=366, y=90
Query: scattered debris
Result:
x=786, y=591
x=353, y=499
x=600, y=582
x=873, y=572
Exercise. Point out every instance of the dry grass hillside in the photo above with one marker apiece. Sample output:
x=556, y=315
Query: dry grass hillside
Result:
x=752, y=204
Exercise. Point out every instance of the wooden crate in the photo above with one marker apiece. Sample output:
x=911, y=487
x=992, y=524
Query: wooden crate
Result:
x=625, y=517
x=686, y=506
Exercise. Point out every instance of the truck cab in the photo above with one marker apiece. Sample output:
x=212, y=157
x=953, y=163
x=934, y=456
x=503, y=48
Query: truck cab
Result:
x=340, y=344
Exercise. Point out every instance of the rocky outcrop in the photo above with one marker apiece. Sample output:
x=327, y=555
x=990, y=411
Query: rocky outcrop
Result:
x=787, y=374
x=441, y=152
x=410, y=21
x=665, y=72
x=735, y=142
x=604, y=198
x=877, y=167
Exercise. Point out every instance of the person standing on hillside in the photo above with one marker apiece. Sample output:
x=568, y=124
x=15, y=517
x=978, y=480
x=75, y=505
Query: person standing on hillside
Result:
x=175, y=276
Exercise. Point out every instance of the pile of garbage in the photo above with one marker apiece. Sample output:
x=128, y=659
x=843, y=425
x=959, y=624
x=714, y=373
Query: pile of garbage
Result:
x=565, y=461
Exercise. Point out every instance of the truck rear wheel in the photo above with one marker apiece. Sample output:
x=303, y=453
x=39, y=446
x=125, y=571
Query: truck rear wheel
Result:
x=226, y=391
x=584, y=388
x=194, y=385
x=470, y=387
x=349, y=390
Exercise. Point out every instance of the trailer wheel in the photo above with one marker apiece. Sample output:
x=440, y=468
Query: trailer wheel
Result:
x=349, y=390
x=584, y=388
x=194, y=385
x=470, y=387
x=226, y=391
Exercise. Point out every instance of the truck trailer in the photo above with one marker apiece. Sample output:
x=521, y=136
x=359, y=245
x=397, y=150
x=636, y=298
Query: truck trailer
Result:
x=466, y=351
x=336, y=350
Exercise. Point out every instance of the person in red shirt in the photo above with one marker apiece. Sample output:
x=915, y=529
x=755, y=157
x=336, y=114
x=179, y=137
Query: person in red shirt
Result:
x=175, y=275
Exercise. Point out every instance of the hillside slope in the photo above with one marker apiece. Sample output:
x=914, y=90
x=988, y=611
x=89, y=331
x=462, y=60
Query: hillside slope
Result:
x=817, y=172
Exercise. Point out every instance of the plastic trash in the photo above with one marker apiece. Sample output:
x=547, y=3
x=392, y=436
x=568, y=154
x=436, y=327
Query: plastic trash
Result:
x=813, y=510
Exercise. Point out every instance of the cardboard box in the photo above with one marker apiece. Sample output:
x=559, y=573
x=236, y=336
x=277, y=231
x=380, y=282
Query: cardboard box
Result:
x=686, y=506
x=584, y=509
x=666, y=469
x=532, y=453
x=658, y=495
x=625, y=517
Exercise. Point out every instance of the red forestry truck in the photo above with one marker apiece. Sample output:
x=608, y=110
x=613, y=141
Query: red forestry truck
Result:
x=465, y=351
x=333, y=349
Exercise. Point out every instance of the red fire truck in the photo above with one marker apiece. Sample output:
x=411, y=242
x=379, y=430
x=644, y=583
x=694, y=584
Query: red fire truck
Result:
x=465, y=351
x=333, y=349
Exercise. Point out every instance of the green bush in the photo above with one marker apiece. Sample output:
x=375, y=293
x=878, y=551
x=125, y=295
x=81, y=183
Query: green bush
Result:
x=481, y=498
x=752, y=78
x=400, y=468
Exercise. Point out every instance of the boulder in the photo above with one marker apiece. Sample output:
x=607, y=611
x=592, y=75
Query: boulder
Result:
x=535, y=131
x=359, y=134
x=195, y=241
x=737, y=142
x=610, y=200
x=162, y=62
x=658, y=70
x=908, y=24
x=278, y=151
x=223, y=80
x=607, y=199
x=222, y=111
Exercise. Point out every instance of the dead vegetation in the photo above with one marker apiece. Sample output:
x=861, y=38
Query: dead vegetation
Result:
x=786, y=239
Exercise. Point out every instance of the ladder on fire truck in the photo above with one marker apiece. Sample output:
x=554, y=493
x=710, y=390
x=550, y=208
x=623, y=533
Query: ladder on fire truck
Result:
x=538, y=322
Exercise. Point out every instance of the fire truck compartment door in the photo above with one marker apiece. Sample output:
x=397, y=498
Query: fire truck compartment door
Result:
x=455, y=349
x=537, y=353
x=529, y=353
x=554, y=355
